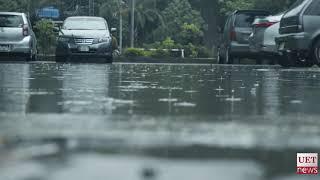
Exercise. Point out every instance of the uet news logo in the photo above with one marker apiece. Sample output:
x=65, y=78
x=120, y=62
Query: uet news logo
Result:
x=307, y=163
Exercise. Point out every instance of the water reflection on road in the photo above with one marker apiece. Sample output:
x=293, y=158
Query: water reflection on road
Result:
x=251, y=113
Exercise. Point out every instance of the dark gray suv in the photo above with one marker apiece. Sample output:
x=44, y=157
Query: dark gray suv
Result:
x=235, y=36
x=299, y=38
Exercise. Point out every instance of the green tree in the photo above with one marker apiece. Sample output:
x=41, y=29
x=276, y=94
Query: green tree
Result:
x=147, y=17
x=231, y=5
x=190, y=33
x=176, y=15
x=14, y=5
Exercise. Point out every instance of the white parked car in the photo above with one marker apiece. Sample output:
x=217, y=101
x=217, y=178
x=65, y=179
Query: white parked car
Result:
x=262, y=39
x=16, y=36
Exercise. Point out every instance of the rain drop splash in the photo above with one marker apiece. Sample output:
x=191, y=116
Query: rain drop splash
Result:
x=168, y=100
x=233, y=99
x=219, y=89
x=184, y=104
x=295, y=102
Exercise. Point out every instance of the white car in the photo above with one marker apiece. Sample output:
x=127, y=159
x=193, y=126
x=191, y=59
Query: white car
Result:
x=262, y=39
x=16, y=36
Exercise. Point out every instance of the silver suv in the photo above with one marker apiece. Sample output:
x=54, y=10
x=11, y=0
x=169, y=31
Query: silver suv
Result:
x=299, y=39
x=235, y=37
x=83, y=36
x=16, y=36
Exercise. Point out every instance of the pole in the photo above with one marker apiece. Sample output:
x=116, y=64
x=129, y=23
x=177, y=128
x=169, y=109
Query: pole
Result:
x=91, y=7
x=120, y=29
x=89, y=13
x=132, y=22
x=93, y=10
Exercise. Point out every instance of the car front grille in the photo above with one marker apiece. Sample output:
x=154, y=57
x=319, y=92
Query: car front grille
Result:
x=85, y=41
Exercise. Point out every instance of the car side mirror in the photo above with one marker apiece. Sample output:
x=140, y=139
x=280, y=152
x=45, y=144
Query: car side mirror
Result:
x=113, y=30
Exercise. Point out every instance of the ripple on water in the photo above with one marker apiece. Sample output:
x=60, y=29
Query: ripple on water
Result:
x=185, y=104
x=168, y=100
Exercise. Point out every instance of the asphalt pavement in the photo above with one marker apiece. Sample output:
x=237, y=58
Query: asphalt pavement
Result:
x=156, y=121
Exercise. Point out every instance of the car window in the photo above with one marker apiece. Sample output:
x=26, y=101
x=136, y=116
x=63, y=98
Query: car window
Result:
x=245, y=20
x=313, y=9
x=11, y=21
x=85, y=24
x=296, y=8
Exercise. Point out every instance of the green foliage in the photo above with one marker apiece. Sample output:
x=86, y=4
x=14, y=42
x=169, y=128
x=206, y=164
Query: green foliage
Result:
x=203, y=52
x=176, y=15
x=191, y=51
x=273, y=6
x=159, y=53
x=168, y=43
x=45, y=35
x=134, y=52
x=231, y=5
x=190, y=34
x=14, y=5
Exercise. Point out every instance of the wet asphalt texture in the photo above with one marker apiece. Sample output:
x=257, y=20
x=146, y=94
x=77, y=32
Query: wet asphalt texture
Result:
x=156, y=121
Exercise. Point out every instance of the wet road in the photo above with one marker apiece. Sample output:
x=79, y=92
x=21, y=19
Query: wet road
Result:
x=182, y=121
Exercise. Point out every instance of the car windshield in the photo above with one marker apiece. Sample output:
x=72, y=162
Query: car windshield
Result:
x=85, y=24
x=245, y=20
x=11, y=21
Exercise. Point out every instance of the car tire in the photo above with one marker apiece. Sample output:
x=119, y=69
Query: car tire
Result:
x=29, y=57
x=288, y=60
x=220, y=59
x=228, y=57
x=60, y=59
x=34, y=56
x=315, y=56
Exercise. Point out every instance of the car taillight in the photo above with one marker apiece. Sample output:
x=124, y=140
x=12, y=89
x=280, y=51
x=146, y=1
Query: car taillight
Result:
x=291, y=25
x=233, y=35
x=25, y=30
x=264, y=24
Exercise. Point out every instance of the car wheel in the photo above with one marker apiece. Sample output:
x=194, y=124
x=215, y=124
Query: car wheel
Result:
x=34, y=56
x=219, y=57
x=288, y=59
x=28, y=57
x=315, y=57
x=60, y=59
x=229, y=58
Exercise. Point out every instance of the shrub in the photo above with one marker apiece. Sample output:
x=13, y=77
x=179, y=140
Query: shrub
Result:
x=155, y=45
x=191, y=51
x=190, y=34
x=46, y=36
x=134, y=52
x=203, y=52
x=168, y=43
x=159, y=53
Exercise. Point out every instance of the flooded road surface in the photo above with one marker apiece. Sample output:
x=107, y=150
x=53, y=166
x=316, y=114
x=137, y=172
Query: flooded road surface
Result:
x=156, y=121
